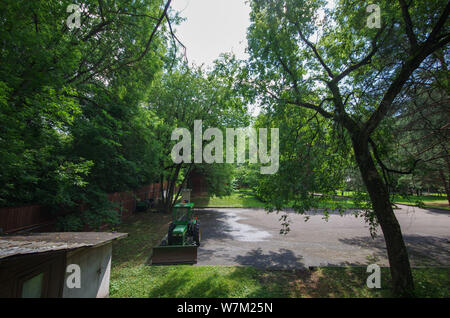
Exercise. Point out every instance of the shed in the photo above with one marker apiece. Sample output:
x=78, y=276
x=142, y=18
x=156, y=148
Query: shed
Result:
x=35, y=264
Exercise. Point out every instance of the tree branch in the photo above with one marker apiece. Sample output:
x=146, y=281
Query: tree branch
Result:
x=383, y=166
x=297, y=102
x=145, y=51
x=147, y=46
x=318, y=109
x=291, y=74
x=408, y=25
x=396, y=86
x=182, y=183
x=175, y=39
x=316, y=53
x=440, y=24
x=364, y=61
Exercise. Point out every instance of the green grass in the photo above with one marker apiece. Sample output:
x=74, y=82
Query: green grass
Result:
x=436, y=201
x=351, y=282
x=239, y=199
x=429, y=201
x=235, y=281
x=244, y=198
x=193, y=281
x=131, y=277
x=145, y=230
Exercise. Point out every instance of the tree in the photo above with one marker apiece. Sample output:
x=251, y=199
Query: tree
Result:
x=423, y=132
x=311, y=160
x=218, y=177
x=71, y=125
x=183, y=96
x=350, y=74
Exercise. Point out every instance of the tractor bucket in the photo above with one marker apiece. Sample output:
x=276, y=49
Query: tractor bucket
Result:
x=174, y=254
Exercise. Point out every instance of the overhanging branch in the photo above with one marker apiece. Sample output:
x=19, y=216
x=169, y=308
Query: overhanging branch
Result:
x=316, y=53
x=365, y=60
x=408, y=25
x=384, y=167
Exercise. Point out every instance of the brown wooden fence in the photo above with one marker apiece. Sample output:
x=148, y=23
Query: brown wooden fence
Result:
x=23, y=217
x=38, y=217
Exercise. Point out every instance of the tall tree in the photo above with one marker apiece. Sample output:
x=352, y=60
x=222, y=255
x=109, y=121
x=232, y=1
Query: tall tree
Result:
x=423, y=131
x=179, y=99
x=351, y=74
x=70, y=94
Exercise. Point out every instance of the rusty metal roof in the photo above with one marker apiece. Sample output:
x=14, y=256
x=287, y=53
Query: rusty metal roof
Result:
x=11, y=245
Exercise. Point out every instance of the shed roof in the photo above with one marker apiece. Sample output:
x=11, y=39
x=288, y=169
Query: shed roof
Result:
x=11, y=245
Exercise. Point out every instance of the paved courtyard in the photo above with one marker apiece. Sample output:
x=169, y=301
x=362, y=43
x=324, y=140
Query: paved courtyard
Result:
x=243, y=236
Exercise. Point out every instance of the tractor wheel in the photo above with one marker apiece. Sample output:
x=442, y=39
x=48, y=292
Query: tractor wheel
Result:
x=169, y=234
x=197, y=233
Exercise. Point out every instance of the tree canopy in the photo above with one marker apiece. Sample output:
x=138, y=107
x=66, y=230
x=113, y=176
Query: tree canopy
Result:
x=71, y=126
x=92, y=91
x=352, y=75
x=180, y=98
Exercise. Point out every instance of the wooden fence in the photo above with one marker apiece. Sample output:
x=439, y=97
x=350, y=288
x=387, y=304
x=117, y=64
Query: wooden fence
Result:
x=38, y=217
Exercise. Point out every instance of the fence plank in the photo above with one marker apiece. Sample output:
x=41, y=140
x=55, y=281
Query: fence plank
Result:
x=20, y=218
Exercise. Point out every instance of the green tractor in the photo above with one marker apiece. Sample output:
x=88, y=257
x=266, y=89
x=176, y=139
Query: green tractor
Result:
x=184, y=229
x=182, y=240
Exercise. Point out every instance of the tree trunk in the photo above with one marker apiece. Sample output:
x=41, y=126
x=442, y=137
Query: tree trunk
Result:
x=170, y=191
x=400, y=268
x=446, y=184
x=162, y=203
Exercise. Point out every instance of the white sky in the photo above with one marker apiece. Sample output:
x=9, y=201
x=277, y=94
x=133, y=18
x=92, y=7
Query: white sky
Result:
x=212, y=27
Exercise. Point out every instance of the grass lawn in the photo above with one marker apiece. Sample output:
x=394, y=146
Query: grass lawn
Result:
x=131, y=277
x=239, y=199
x=429, y=201
x=145, y=230
x=236, y=281
x=437, y=201
x=243, y=198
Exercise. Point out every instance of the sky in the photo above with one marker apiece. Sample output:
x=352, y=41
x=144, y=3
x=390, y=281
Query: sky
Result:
x=212, y=27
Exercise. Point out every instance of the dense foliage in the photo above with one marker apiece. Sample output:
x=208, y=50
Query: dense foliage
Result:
x=180, y=98
x=329, y=61
x=71, y=127
x=89, y=109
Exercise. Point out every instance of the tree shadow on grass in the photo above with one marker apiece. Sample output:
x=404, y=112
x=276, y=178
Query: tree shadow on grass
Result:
x=236, y=282
x=320, y=283
x=183, y=283
x=340, y=282
x=250, y=282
